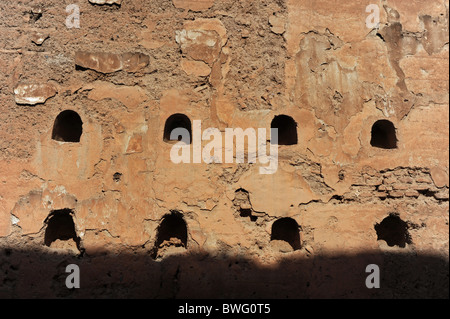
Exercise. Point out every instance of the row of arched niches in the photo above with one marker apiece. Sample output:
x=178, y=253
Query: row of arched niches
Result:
x=68, y=127
x=172, y=231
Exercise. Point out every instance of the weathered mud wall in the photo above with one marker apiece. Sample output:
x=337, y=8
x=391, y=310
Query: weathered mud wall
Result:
x=363, y=179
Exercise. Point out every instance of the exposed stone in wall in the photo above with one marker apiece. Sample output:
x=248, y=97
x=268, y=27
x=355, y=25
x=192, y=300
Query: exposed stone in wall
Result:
x=38, y=38
x=397, y=183
x=348, y=191
x=33, y=94
x=109, y=62
x=106, y=1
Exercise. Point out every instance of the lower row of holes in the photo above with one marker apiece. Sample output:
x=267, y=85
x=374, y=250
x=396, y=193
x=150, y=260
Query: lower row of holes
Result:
x=173, y=231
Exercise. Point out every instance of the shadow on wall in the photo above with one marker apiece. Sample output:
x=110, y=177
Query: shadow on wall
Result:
x=37, y=274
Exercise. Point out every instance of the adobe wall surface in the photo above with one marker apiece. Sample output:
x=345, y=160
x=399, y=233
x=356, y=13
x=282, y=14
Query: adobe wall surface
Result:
x=132, y=64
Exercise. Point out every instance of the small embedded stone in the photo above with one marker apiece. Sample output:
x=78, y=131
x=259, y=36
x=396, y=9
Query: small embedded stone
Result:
x=441, y=195
x=421, y=187
x=277, y=24
x=384, y=188
x=99, y=61
x=133, y=62
x=374, y=181
x=196, y=68
x=424, y=179
x=38, y=38
x=135, y=144
x=389, y=180
x=203, y=45
x=106, y=1
x=406, y=180
x=439, y=176
x=381, y=194
x=32, y=94
x=399, y=186
x=246, y=205
x=202, y=39
x=412, y=193
x=245, y=34
x=396, y=194
x=104, y=62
